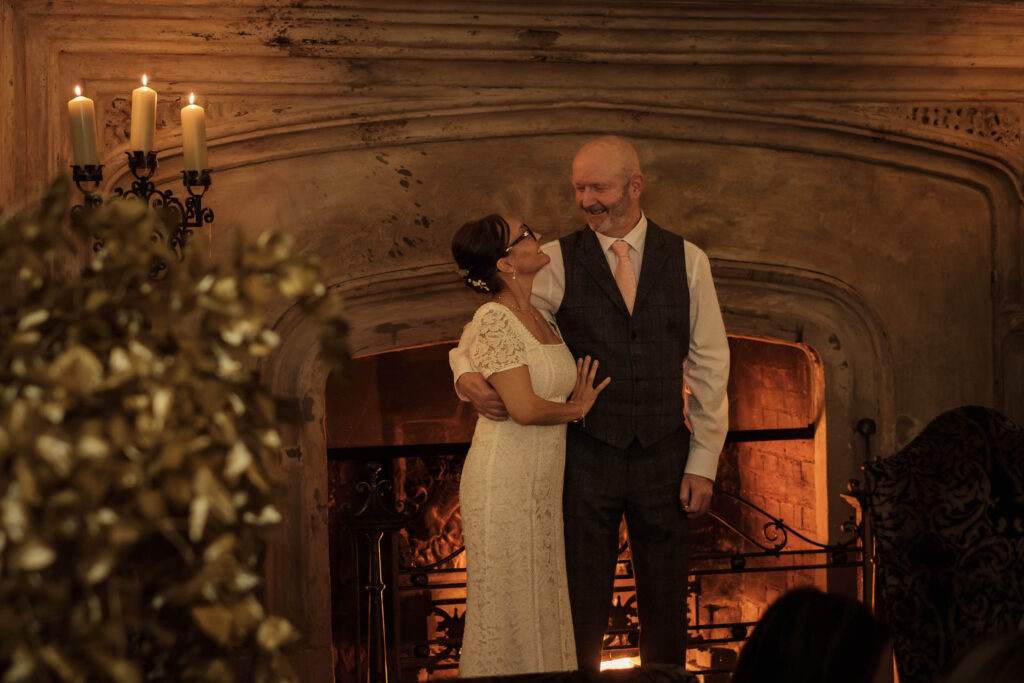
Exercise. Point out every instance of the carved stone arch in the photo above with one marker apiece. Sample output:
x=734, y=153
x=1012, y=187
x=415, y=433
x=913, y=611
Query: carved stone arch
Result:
x=428, y=305
x=989, y=175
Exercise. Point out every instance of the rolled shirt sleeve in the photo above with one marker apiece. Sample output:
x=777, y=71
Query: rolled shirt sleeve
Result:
x=706, y=371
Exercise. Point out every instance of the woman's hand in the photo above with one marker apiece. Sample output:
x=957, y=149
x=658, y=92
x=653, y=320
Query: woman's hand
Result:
x=585, y=393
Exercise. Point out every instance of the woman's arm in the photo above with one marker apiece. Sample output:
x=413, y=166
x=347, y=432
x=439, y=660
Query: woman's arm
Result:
x=525, y=407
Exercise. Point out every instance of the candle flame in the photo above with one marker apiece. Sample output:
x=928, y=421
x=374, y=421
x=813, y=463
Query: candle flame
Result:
x=143, y=79
x=78, y=91
x=191, y=98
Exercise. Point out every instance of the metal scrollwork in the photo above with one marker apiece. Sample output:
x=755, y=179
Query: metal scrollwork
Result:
x=90, y=198
x=378, y=503
x=181, y=217
x=776, y=532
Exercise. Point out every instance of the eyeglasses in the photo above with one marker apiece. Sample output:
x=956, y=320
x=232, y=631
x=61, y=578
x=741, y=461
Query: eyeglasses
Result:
x=526, y=233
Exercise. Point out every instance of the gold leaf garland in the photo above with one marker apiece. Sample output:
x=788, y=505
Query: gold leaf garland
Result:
x=138, y=451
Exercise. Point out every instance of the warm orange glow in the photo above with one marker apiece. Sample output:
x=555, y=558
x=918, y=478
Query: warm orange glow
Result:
x=191, y=98
x=621, y=663
x=78, y=91
x=143, y=79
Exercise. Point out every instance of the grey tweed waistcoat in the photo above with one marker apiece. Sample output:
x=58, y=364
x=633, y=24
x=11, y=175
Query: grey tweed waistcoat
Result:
x=643, y=353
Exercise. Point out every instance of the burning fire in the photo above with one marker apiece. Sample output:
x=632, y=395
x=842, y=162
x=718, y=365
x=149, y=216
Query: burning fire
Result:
x=621, y=663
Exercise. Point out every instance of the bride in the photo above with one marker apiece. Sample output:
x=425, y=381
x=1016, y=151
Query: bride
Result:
x=517, y=599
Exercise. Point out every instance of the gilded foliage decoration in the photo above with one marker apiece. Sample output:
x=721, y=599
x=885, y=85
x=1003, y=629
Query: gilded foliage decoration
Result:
x=139, y=452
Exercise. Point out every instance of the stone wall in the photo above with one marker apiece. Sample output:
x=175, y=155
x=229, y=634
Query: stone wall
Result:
x=853, y=171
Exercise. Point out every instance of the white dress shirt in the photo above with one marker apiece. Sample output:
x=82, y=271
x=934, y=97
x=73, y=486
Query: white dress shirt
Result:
x=706, y=370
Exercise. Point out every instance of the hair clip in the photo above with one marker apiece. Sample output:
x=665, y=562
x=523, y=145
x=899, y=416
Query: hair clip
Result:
x=479, y=284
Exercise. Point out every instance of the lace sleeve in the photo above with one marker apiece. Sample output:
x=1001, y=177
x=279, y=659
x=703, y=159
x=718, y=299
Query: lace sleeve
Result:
x=497, y=345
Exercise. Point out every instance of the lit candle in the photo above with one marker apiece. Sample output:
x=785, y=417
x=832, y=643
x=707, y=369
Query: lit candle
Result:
x=193, y=135
x=143, y=118
x=82, y=116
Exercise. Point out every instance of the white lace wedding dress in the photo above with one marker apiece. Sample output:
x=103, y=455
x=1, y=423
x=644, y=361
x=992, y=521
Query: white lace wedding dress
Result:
x=517, y=599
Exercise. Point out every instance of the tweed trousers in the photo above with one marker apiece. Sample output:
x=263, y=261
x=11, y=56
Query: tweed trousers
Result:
x=603, y=483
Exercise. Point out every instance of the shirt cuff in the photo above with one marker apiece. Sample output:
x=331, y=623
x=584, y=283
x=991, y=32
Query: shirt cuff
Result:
x=702, y=462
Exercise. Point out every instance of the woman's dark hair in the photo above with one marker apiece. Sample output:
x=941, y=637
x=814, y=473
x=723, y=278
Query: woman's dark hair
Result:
x=807, y=636
x=477, y=246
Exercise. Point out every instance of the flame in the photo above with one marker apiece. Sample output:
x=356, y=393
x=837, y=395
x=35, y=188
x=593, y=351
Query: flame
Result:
x=621, y=663
x=191, y=98
x=78, y=91
x=144, y=79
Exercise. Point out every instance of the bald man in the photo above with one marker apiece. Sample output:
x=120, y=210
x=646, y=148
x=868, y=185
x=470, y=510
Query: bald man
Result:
x=640, y=299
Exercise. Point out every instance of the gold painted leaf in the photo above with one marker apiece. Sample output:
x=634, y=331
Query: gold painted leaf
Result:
x=21, y=668
x=30, y=320
x=296, y=280
x=274, y=632
x=268, y=515
x=77, y=369
x=58, y=663
x=56, y=451
x=247, y=615
x=13, y=515
x=222, y=546
x=90, y=447
x=123, y=671
x=215, y=621
x=98, y=567
x=225, y=288
x=151, y=505
x=33, y=555
x=198, y=512
x=238, y=461
x=96, y=298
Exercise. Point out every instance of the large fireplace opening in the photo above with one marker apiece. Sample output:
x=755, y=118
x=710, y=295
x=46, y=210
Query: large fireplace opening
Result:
x=397, y=433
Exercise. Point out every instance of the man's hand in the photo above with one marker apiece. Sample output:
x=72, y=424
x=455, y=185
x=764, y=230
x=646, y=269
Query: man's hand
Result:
x=482, y=395
x=695, y=494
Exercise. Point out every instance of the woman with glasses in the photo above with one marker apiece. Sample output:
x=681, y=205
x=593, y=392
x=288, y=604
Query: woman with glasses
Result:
x=517, y=599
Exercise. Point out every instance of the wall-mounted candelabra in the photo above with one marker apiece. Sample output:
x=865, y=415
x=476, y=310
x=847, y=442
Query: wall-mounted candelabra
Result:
x=183, y=216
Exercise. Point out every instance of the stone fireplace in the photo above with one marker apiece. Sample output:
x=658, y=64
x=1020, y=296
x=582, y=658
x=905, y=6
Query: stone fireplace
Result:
x=399, y=409
x=853, y=171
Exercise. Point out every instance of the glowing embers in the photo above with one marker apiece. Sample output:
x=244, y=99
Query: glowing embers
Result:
x=621, y=663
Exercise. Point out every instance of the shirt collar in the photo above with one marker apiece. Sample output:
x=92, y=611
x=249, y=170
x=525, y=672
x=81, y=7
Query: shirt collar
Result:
x=635, y=238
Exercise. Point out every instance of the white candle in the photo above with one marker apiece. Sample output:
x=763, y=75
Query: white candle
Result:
x=82, y=116
x=143, y=118
x=193, y=135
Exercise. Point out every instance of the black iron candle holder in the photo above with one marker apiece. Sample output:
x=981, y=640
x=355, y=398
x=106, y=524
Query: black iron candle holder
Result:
x=190, y=214
x=87, y=174
x=139, y=161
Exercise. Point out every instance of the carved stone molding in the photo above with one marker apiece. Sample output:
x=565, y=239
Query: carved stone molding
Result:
x=261, y=63
x=999, y=125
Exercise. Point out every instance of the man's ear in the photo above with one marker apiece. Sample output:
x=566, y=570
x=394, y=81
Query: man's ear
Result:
x=636, y=185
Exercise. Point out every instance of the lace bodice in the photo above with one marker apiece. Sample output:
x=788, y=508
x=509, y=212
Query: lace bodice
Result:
x=502, y=342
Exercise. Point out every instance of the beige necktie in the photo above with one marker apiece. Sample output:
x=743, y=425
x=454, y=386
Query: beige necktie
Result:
x=624, y=276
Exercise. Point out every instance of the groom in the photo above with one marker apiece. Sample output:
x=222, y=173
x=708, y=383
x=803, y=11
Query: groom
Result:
x=639, y=299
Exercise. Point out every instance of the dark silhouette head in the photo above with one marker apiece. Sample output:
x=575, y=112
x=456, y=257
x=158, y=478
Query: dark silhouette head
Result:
x=997, y=659
x=477, y=246
x=807, y=636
